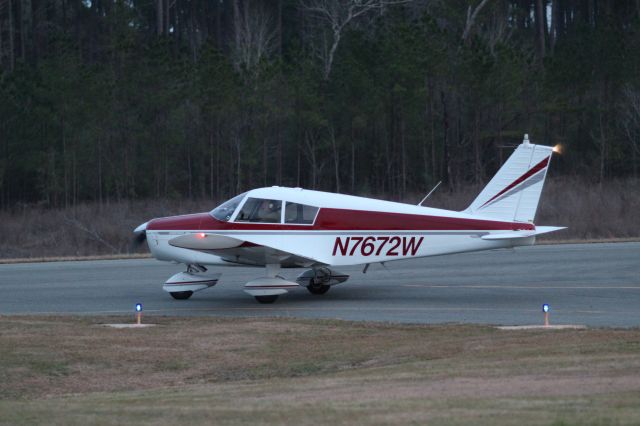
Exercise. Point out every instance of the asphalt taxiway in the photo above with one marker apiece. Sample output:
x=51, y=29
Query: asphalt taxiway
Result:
x=590, y=284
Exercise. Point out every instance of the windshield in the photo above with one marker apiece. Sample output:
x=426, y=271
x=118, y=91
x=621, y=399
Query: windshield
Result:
x=225, y=210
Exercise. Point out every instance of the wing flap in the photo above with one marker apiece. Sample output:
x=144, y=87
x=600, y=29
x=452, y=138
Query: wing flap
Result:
x=248, y=248
x=522, y=234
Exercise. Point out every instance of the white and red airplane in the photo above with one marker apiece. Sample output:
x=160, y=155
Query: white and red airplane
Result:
x=280, y=227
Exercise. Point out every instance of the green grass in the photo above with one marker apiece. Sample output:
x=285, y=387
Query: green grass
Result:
x=66, y=370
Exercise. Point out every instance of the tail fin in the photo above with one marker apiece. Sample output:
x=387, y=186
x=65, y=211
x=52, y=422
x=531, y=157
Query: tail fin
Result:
x=514, y=191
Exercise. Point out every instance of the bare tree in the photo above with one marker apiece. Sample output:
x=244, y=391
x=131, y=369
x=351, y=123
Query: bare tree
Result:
x=336, y=156
x=12, y=61
x=540, y=15
x=255, y=34
x=497, y=30
x=159, y=18
x=472, y=14
x=334, y=16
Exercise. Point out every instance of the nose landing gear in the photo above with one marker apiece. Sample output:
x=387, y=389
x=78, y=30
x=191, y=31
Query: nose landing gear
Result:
x=182, y=285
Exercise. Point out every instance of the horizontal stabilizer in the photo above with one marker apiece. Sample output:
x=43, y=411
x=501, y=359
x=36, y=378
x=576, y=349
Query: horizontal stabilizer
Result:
x=204, y=241
x=522, y=234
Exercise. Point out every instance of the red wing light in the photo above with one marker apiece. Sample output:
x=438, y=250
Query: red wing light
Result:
x=201, y=235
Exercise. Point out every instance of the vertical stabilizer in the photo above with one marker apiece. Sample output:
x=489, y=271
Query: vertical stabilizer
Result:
x=514, y=192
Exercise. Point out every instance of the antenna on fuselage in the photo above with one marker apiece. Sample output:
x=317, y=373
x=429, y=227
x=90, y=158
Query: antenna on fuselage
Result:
x=430, y=192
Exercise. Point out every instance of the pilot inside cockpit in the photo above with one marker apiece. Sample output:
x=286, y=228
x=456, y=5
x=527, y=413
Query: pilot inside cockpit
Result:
x=260, y=210
x=269, y=211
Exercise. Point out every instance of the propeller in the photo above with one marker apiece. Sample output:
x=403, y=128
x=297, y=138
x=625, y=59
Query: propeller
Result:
x=139, y=236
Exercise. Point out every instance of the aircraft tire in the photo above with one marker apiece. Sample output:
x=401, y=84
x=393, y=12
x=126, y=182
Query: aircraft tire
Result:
x=266, y=299
x=181, y=295
x=317, y=288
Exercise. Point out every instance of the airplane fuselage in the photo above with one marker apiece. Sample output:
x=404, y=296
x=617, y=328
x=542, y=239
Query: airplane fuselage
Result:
x=336, y=237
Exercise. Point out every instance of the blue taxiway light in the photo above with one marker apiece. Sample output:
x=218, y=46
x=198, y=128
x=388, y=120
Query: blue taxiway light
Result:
x=138, y=307
x=545, y=307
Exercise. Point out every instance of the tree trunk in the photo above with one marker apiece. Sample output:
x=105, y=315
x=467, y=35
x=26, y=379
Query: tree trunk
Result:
x=603, y=140
x=218, y=163
x=446, y=170
x=541, y=30
x=555, y=16
x=265, y=161
x=353, y=161
x=238, y=164
x=190, y=171
x=100, y=172
x=279, y=153
x=211, y=164
x=219, y=41
x=477, y=175
x=11, y=46
x=298, y=165
x=336, y=158
x=1, y=54
x=403, y=158
x=329, y=59
x=64, y=160
x=432, y=120
x=166, y=169
x=279, y=28
x=21, y=16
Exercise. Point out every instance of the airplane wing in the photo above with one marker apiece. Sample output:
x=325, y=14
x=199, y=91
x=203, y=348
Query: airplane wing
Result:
x=204, y=241
x=242, y=250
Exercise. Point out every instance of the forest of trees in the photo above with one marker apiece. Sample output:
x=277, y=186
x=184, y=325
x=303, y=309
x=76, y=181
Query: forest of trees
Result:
x=108, y=100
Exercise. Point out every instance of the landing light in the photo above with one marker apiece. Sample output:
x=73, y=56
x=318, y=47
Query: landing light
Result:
x=557, y=149
x=138, y=313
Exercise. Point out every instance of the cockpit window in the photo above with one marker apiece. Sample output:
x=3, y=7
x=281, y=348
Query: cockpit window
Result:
x=299, y=213
x=260, y=210
x=225, y=210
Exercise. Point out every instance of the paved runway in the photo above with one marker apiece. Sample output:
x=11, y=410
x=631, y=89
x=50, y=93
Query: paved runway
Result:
x=592, y=284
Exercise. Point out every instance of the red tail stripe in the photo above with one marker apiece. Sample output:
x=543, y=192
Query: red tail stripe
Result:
x=541, y=165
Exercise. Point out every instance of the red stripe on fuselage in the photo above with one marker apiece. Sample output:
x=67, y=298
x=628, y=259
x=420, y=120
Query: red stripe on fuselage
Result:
x=342, y=220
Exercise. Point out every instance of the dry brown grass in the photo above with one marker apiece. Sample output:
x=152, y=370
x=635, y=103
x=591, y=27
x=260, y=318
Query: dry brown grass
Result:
x=69, y=370
x=592, y=212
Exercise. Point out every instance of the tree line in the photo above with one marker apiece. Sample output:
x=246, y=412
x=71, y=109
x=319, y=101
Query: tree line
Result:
x=106, y=100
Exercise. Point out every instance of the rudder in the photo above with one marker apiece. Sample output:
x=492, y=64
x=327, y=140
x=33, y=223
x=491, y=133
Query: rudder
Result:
x=514, y=192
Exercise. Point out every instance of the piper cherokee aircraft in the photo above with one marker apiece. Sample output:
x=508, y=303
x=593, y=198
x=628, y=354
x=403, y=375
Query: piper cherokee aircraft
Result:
x=280, y=227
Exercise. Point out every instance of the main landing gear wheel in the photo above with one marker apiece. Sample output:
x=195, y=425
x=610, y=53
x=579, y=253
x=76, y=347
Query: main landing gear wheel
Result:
x=266, y=299
x=317, y=288
x=181, y=295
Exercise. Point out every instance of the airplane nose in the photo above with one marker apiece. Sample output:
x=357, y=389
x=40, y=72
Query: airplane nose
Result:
x=189, y=222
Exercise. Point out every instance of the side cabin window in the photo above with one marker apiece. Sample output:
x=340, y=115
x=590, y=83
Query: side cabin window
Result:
x=260, y=210
x=300, y=213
